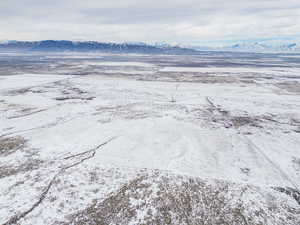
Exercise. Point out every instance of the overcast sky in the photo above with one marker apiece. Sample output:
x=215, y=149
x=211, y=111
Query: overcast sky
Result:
x=174, y=21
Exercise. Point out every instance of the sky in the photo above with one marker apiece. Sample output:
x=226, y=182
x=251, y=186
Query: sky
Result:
x=189, y=22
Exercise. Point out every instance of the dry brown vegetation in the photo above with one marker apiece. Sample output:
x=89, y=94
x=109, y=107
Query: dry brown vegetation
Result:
x=164, y=199
x=9, y=145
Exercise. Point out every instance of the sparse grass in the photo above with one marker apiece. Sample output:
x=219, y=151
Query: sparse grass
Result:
x=290, y=192
x=292, y=87
x=28, y=165
x=158, y=200
x=11, y=144
x=239, y=121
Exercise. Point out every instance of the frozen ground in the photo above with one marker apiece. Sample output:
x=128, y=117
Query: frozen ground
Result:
x=128, y=139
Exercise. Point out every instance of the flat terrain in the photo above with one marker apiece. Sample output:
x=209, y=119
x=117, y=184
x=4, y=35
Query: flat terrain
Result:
x=103, y=139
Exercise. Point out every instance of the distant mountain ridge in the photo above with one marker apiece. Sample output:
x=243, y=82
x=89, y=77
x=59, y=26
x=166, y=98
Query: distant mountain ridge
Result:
x=264, y=47
x=143, y=48
x=255, y=47
x=65, y=45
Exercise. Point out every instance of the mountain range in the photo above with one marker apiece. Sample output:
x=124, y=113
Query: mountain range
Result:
x=64, y=45
x=142, y=48
x=264, y=47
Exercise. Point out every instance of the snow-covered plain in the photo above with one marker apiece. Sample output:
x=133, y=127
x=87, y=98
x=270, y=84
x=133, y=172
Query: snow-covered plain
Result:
x=174, y=146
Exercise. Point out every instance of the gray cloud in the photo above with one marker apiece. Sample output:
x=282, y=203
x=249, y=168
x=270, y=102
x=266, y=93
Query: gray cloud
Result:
x=189, y=21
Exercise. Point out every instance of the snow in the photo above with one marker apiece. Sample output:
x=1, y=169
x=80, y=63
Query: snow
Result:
x=274, y=71
x=27, y=80
x=157, y=125
x=119, y=64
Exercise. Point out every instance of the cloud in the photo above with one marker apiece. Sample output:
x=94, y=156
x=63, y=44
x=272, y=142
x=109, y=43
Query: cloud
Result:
x=189, y=21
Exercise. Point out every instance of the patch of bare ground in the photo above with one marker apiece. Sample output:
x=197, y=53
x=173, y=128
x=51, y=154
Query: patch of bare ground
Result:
x=9, y=145
x=296, y=123
x=293, y=87
x=63, y=87
x=290, y=192
x=26, y=112
x=219, y=115
x=296, y=162
x=22, y=91
x=6, y=107
x=27, y=165
x=73, y=97
x=211, y=115
x=13, y=111
x=199, y=77
x=168, y=199
x=69, y=92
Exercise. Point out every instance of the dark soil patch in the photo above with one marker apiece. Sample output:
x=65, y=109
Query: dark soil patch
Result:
x=11, y=144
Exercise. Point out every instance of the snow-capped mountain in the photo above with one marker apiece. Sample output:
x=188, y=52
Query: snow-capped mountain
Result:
x=264, y=47
x=144, y=48
x=65, y=45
